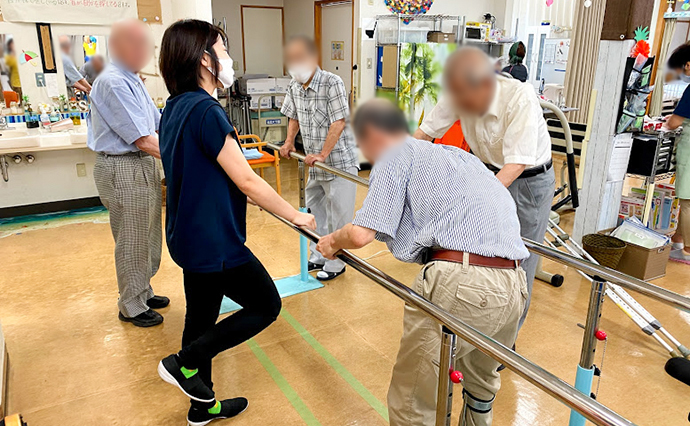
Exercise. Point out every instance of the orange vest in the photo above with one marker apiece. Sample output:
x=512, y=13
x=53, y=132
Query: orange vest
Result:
x=454, y=137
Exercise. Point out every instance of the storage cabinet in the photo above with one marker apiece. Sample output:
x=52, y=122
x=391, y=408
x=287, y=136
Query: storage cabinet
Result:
x=623, y=16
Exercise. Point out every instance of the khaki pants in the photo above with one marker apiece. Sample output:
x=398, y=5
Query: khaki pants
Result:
x=490, y=300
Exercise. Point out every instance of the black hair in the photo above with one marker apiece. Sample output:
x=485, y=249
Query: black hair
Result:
x=380, y=114
x=679, y=57
x=306, y=41
x=184, y=44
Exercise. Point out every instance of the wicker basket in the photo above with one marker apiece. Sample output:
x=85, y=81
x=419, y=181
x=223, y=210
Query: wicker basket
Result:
x=607, y=250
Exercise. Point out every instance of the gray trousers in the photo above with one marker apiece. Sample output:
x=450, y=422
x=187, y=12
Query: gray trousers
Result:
x=533, y=197
x=332, y=202
x=130, y=188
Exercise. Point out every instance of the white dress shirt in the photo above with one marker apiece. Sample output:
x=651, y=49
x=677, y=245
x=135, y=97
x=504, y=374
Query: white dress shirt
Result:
x=513, y=131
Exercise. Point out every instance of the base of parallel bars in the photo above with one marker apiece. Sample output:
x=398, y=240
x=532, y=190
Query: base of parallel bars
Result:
x=583, y=382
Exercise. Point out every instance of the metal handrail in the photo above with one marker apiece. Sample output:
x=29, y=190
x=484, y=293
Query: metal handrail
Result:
x=549, y=383
x=607, y=274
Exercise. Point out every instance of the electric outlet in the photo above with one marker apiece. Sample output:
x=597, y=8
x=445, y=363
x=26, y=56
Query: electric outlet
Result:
x=370, y=63
x=236, y=66
x=81, y=170
x=371, y=2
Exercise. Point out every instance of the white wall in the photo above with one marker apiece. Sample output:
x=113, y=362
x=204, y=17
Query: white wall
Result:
x=51, y=177
x=299, y=17
x=230, y=10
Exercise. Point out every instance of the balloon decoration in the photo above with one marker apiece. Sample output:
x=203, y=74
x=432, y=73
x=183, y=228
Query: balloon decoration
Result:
x=409, y=7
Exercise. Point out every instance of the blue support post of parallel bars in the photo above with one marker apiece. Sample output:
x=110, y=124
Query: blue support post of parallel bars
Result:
x=585, y=369
x=583, y=382
x=303, y=243
x=303, y=255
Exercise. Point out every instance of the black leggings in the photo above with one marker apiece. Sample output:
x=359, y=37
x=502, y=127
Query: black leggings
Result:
x=251, y=287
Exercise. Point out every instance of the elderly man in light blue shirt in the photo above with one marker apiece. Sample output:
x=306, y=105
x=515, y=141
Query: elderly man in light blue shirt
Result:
x=73, y=78
x=122, y=130
x=439, y=206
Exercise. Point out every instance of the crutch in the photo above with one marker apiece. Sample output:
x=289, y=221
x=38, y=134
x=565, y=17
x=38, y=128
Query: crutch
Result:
x=651, y=320
x=636, y=312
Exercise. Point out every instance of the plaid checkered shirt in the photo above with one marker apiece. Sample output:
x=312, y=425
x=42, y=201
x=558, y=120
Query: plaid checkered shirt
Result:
x=323, y=102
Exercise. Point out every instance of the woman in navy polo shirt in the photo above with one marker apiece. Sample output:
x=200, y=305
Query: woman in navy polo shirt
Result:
x=679, y=61
x=208, y=182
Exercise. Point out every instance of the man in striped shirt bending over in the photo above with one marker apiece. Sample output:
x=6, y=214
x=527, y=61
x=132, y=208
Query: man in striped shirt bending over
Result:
x=441, y=207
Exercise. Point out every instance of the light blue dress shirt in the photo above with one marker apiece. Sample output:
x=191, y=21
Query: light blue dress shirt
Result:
x=427, y=196
x=121, y=112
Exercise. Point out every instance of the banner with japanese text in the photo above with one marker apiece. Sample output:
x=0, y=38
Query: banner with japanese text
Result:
x=82, y=12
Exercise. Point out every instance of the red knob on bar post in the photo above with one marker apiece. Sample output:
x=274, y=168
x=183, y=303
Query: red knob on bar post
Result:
x=600, y=335
x=456, y=377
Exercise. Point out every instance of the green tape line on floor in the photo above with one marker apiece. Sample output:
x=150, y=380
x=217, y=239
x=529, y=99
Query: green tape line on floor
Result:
x=377, y=405
x=283, y=384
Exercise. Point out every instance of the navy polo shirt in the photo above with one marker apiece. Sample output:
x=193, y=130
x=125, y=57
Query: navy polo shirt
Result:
x=206, y=212
x=683, y=107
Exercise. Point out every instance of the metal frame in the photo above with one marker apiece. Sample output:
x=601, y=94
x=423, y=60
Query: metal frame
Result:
x=552, y=385
x=577, y=398
x=612, y=276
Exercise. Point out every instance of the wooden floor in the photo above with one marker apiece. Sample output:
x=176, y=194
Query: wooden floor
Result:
x=326, y=361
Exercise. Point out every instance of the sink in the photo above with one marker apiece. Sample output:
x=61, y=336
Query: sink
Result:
x=18, y=138
x=55, y=139
x=78, y=135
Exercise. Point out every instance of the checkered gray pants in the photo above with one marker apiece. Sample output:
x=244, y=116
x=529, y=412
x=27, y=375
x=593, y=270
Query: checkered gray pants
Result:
x=130, y=188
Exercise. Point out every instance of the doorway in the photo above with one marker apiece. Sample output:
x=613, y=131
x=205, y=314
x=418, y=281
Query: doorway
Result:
x=262, y=39
x=534, y=58
x=333, y=35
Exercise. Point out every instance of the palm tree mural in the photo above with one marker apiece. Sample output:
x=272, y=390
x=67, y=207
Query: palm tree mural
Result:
x=419, y=73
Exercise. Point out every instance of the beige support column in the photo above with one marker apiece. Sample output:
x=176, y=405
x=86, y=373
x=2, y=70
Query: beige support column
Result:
x=582, y=59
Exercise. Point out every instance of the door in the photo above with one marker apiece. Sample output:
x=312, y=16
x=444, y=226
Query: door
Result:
x=262, y=40
x=336, y=39
x=536, y=41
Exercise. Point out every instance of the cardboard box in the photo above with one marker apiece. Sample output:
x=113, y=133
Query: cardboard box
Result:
x=641, y=262
x=278, y=101
x=266, y=101
x=261, y=86
x=282, y=84
x=439, y=37
x=387, y=69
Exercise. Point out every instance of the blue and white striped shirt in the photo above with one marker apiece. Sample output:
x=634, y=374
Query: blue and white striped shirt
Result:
x=423, y=196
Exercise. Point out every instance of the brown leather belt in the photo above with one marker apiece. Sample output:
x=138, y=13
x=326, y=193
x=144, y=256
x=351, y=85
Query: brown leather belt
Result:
x=475, y=259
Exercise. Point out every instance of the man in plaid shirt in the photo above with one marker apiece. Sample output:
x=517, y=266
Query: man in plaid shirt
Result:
x=317, y=105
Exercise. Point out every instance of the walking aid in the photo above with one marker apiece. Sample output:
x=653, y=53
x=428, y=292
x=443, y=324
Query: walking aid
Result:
x=634, y=310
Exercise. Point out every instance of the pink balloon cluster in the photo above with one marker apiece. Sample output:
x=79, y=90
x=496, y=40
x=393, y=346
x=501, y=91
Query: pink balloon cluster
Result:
x=409, y=7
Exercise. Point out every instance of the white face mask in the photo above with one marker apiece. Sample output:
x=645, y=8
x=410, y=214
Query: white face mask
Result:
x=684, y=77
x=301, y=72
x=227, y=74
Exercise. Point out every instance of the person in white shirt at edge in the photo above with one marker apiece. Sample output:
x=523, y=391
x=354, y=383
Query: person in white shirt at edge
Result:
x=316, y=104
x=504, y=126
